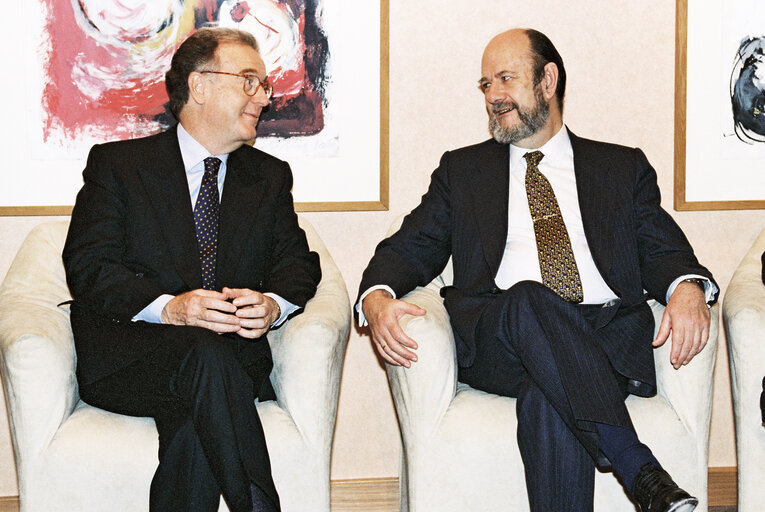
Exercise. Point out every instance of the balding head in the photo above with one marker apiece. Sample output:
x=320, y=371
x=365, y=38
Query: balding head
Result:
x=537, y=47
x=519, y=89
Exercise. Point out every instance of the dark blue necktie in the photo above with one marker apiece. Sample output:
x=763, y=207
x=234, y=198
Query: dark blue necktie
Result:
x=206, y=221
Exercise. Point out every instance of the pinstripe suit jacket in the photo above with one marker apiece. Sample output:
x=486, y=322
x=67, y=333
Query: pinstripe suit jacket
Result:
x=635, y=244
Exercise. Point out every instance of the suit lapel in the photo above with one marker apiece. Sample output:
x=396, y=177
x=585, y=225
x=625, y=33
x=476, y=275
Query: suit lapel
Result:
x=243, y=192
x=593, y=184
x=168, y=191
x=489, y=185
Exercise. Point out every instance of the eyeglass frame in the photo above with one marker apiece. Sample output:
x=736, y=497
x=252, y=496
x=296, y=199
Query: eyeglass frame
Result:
x=267, y=87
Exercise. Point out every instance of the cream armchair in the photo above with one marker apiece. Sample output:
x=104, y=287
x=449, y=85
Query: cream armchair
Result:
x=744, y=317
x=459, y=444
x=71, y=457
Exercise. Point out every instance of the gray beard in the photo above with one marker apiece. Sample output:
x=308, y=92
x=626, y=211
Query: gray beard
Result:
x=532, y=120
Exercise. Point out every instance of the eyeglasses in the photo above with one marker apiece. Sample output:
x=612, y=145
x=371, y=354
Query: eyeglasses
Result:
x=251, y=83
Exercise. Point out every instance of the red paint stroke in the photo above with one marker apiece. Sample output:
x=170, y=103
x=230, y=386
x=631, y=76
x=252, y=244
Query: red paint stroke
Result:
x=292, y=79
x=209, y=9
x=239, y=11
x=69, y=112
x=242, y=9
x=282, y=80
x=272, y=29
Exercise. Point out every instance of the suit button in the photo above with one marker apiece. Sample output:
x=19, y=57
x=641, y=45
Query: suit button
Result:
x=495, y=291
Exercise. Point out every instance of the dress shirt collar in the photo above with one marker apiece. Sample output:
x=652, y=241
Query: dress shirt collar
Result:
x=192, y=152
x=556, y=151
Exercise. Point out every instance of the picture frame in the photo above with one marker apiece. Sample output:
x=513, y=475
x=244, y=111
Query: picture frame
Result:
x=715, y=169
x=344, y=169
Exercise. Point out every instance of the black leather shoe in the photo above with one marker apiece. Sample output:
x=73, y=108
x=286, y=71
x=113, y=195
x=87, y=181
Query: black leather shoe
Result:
x=655, y=491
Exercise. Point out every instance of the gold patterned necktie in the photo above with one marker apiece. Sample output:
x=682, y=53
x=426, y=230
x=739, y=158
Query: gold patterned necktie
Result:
x=556, y=258
x=206, y=221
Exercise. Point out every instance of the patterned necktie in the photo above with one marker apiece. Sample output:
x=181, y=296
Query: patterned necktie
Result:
x=206, y=221
x=556, y=258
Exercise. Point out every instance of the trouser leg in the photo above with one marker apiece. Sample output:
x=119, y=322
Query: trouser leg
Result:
x=183, y=481
x=219, y=393
x=559, y=472
x=534, y=346
x=196, y=387
x=558, y=348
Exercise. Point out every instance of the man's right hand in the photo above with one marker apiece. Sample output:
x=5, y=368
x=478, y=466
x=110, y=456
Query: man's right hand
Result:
x=383, y=314
x=202, y=308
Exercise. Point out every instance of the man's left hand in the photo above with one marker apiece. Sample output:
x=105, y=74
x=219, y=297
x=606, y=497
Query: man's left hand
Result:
x=256, y=311
x=687, y=317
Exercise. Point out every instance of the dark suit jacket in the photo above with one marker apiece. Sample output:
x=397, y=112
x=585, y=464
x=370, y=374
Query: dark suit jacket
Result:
x=635, y=244
x=132, y=237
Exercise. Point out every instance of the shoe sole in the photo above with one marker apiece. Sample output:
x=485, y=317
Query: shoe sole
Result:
x=686, y=505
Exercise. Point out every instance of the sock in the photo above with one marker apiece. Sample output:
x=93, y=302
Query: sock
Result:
x=625, y=451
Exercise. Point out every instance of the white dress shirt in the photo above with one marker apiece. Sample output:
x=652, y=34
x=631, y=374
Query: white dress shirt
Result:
x=193, y=155
x=520, y=261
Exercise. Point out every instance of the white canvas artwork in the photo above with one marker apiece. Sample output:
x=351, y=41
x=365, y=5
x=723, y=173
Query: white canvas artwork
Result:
x=90, y=71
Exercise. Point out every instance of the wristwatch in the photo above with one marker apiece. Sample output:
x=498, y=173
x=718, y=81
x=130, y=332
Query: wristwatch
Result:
x=697, y=281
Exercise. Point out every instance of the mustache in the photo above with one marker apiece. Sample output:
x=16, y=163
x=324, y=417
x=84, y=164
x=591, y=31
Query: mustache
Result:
x=500, y=107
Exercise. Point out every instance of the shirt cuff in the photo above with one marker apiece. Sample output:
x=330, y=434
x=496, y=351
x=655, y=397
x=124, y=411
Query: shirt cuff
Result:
x=153, y=312
x=710, y=290
x=362, y=318
x=286, y=308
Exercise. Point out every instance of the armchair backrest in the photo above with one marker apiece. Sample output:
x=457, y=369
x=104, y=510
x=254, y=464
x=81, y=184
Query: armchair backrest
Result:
x=37, y=267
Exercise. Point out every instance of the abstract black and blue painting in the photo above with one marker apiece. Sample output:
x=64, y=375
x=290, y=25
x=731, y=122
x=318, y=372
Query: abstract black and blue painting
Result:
x=747, y=90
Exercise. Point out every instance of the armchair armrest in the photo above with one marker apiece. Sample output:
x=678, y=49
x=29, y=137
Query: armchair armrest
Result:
x=38, y=376
x=689, y=389
x=308, y=353
x=37, y=359
x=744, y=316
x=423, y=392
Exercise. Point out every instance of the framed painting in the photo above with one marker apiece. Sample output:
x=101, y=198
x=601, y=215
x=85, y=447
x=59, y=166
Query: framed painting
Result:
x=90, y=71
x=720, y=105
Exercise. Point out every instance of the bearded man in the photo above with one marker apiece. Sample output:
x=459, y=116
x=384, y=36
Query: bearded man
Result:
x=555, y=241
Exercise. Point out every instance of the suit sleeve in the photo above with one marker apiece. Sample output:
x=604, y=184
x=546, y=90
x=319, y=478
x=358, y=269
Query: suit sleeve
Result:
x=294, y=273
x=94, y=251
x=420, y=249
x=664, y=251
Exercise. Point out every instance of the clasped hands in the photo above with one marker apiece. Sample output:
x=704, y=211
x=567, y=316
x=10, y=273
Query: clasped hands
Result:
x=233, y=310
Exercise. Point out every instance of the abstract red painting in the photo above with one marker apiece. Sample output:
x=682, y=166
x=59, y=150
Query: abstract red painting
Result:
x=105, y=62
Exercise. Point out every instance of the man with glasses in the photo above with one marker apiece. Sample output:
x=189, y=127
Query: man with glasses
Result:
x=554, y=240
x=183, y=251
